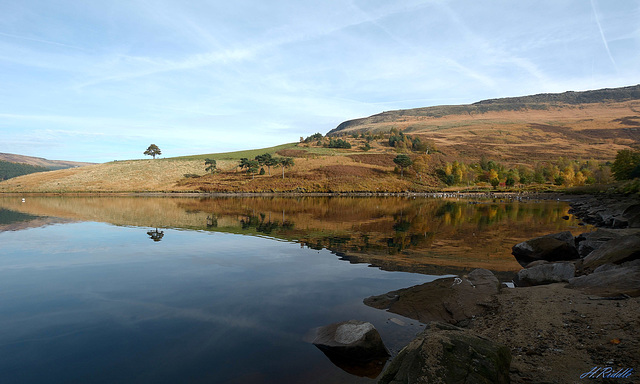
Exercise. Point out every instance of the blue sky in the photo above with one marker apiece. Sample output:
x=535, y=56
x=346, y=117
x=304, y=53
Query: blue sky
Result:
x=101, y=80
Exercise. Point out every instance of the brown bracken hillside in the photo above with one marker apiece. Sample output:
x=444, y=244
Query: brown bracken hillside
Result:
x=588, y=125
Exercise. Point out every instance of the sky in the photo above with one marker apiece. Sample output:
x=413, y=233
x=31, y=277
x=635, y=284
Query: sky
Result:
x=98, y=81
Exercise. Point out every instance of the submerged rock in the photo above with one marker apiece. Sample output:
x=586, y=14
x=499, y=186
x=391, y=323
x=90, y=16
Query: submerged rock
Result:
x=448, y=300
x=554, y=247
x=546, y=273
x=355, y=346
x=444, y=353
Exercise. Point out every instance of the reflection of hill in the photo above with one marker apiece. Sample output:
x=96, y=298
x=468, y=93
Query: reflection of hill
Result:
x=17, y=221
x=394, y=233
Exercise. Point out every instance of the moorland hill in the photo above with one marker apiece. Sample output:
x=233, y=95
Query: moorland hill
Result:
x=563, y=139
x=591, y=124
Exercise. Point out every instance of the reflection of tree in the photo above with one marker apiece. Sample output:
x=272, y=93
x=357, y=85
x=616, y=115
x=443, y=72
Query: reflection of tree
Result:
x=156, y=235
x=409, y=226
x=262, y=225
x=212, y=221
x=402, y=226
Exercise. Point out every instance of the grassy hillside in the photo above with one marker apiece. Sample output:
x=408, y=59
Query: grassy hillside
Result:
x=316, y=169
x=547, y=138
x=237, y=155
x=118, y=176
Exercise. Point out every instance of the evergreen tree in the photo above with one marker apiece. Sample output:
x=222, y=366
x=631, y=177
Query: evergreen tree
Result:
x=153, y=150
x=403, y=161
x=211, y=164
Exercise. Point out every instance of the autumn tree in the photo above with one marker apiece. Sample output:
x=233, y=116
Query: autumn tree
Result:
x=153, y=150
x=421, y=165
x=627, y=164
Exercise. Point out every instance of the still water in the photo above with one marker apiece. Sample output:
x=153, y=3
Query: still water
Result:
x=188, y=290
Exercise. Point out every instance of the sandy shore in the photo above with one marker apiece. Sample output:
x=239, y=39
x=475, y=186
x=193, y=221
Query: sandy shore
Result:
x=556, y=334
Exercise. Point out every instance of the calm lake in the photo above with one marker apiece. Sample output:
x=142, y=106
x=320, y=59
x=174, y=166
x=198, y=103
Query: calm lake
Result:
x=228, y=290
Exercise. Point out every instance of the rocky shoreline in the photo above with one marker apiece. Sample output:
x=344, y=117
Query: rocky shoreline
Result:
x=573, y=314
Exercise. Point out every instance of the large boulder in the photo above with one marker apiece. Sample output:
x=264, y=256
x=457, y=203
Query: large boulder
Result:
x=623, y=249
x=448, y=300
x=443, y=353
x=590, y=241
x=554, y=247
x=546, y=273
x=355, y=346
x=610, y=280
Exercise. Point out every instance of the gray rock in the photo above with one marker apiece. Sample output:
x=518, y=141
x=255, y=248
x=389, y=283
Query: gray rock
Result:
x=545, y=274
x=608, y=267
x=446, y=300
x=619, y=222
x=447, y=354
x=617, y=251
x=351, y=340
x=590, y=241
x=609, y=281
x=554, y=247
x=632, y=213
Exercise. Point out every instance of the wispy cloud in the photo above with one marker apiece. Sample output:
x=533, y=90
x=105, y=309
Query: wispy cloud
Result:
x=202, y=73
x=43, y=41
x=604, y=39
x=128, y=67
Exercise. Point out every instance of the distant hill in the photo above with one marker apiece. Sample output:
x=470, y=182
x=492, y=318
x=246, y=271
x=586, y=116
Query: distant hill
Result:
x=9, y=170
x=40, y=162
x=539, y=102
x=12, y=165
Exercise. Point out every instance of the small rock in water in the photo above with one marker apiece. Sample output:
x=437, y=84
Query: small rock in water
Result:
x=354, y=346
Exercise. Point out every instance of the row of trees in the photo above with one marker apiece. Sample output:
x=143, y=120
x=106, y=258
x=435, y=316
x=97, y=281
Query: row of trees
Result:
x=404, y=142
x=394, y=138
x=561, y=172
x=266, y=160
x=251, y=166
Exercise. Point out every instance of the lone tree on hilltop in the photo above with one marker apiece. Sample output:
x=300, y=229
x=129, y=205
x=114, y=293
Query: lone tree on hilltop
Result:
x=403, y=162
x=153, y=150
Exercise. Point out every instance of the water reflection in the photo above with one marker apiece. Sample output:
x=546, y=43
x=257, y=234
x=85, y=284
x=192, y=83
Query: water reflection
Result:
x=155, y=235
x=222, y=301
x=433, y=236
